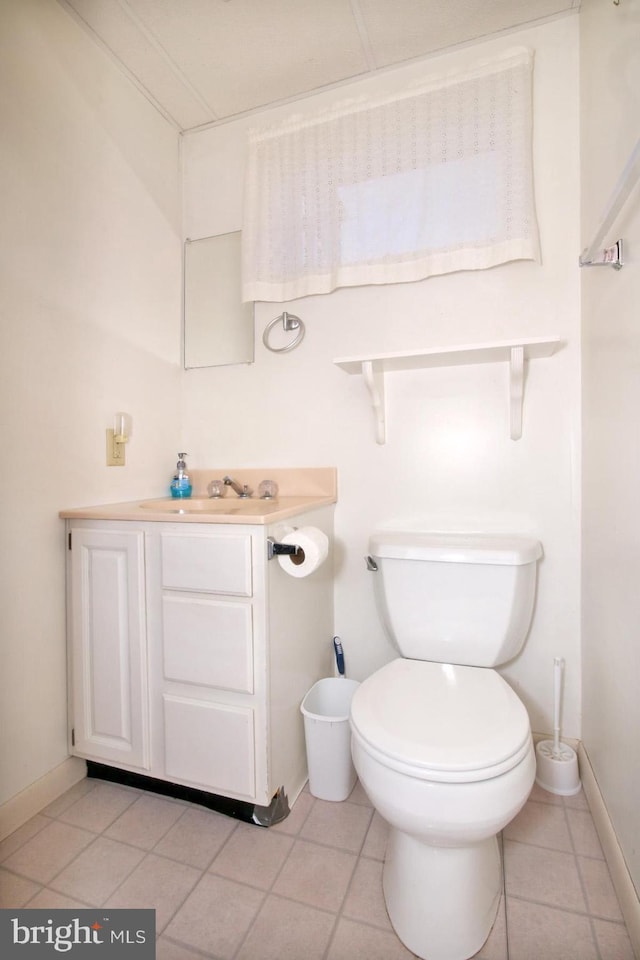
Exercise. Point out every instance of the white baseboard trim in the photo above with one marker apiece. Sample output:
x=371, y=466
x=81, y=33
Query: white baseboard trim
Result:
x=620, y=876
x=40, y=794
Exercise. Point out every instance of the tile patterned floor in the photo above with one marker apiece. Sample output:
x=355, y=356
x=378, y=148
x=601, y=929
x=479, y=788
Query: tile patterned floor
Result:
x=307, y=889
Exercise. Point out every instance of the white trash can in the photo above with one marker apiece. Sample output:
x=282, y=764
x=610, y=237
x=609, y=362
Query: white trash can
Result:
x=325, y=709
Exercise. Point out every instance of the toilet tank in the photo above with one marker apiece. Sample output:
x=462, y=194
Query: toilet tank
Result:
x=455, y=598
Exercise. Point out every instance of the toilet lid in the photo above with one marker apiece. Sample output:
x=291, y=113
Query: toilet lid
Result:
x=439, y=721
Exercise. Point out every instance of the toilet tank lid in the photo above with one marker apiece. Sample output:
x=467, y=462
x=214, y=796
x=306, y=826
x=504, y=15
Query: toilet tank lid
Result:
x=455, y=547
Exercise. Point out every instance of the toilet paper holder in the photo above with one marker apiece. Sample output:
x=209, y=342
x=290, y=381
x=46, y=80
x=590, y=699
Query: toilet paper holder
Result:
x=275, y=549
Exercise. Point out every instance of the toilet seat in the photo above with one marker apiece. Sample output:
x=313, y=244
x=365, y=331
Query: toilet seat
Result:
x=441, y=722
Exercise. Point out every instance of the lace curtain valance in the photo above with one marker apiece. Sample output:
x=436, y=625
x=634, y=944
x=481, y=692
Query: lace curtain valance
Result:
x=435, y=180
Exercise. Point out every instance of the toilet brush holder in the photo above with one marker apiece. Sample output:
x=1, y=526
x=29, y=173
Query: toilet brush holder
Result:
x=556, y=763
x=557, y=768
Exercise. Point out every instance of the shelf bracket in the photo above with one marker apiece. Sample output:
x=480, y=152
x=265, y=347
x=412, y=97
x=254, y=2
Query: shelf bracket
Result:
x=374, y=380
x=516, y=391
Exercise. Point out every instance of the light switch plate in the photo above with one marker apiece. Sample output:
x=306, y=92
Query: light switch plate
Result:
x=115, y=451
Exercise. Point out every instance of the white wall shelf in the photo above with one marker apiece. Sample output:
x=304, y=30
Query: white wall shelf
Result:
x=514, y=352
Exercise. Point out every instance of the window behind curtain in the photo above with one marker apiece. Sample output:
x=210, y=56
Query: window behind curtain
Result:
x=436, y=180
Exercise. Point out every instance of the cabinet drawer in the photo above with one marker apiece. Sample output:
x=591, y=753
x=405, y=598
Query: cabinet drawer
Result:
x=210, y=744
x=213, y=564
x=208, y=642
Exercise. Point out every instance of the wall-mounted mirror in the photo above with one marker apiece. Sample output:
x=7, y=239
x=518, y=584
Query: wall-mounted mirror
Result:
x=218, y=327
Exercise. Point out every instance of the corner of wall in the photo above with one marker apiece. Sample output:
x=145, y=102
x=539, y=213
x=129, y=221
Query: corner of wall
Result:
x=620, y=876
x=34, y=798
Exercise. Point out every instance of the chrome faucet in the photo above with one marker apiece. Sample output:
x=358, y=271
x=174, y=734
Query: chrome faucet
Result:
x=243, y=491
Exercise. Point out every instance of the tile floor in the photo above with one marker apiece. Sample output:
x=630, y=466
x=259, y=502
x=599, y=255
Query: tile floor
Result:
x=307, y=889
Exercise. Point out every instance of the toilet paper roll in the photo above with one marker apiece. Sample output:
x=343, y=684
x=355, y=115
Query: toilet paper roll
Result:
x=314, y=547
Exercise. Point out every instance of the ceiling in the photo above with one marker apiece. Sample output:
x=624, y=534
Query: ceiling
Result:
x=203, y=61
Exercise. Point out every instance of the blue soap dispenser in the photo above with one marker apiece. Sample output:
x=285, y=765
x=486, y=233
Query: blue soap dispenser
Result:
x=181, y=484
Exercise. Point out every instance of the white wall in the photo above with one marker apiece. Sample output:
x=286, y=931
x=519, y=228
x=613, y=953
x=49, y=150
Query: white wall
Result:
x=448, y=461
x=90, y=280
x=610, y=45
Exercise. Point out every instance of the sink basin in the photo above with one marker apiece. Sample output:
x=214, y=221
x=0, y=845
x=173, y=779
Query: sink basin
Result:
x=186, y=504
x=229, y=507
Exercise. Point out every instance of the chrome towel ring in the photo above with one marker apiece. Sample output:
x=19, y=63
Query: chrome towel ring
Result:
x=289, y=322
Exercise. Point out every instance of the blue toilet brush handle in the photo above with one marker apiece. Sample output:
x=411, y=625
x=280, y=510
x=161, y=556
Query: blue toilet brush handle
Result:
x=337, y=646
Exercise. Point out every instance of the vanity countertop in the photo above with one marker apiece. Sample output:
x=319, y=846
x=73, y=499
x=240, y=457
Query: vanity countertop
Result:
x=315, y=487
x=201, y=510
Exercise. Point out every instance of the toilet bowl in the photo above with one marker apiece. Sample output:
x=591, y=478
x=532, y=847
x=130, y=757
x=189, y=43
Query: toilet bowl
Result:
x=440, y=741
x=445, y=755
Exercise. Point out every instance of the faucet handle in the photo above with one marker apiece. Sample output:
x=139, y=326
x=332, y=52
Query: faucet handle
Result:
x=216, y=489
x=268, y=490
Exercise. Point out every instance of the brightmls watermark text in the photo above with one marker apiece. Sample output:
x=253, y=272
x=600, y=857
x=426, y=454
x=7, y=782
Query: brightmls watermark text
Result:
x=78, y=934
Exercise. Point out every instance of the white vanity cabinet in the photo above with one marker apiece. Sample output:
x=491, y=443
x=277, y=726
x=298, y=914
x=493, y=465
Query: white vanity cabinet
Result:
x=191, y=652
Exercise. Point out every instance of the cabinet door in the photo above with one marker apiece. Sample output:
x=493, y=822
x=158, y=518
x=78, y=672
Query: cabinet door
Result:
x=109, y=647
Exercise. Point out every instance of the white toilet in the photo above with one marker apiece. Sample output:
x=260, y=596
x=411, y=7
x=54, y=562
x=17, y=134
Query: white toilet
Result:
x=441, y=743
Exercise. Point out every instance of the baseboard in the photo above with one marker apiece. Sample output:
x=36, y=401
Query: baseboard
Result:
x=620, y=876
x=40, y=794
